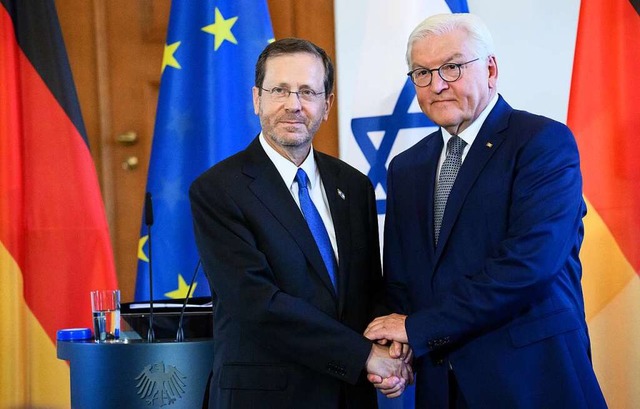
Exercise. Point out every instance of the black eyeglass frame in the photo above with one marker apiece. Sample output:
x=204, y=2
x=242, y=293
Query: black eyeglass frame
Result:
x=431, y=70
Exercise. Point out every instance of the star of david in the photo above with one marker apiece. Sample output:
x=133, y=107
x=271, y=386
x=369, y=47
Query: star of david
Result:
x=399, y=119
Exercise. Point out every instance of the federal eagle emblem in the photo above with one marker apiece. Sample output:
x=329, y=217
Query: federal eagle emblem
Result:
x=161, y=385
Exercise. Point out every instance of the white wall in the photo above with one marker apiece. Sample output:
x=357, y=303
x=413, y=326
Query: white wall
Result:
x=535, y=42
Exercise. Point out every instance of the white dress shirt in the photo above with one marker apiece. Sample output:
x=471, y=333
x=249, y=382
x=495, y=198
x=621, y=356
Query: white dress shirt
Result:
x=468, y=135
x=288, y=170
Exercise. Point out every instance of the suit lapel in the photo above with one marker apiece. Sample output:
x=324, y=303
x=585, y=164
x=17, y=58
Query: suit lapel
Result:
x=271, y=191
x=424, y=175
x=337, y=196
x=486, y=143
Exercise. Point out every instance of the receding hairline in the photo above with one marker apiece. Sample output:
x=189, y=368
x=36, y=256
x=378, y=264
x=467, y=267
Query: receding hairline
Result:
x=285, y=54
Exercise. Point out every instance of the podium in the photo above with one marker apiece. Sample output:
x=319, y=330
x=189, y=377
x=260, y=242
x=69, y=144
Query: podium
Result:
x=132, y=373
x=138, y=374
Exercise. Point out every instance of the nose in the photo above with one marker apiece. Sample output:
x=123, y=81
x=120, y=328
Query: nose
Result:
x=438, y=84
x=292, y=103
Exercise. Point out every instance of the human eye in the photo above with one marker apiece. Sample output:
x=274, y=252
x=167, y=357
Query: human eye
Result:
x=279, y=91
x=421, y=73
x=307, y=93
x=451, y=67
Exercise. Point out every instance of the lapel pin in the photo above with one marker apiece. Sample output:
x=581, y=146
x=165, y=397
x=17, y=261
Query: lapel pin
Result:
x=489, y=145
x=342, y=196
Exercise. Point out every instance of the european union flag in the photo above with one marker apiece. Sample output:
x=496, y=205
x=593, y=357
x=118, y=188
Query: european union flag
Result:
x=204, y=115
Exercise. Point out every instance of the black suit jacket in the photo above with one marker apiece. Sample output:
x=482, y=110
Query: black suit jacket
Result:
x=283, y=337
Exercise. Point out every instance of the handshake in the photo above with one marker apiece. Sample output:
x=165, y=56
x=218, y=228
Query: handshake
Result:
x=389, y=363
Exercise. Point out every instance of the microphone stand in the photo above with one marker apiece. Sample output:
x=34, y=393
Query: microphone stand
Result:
x=180, y=333
x=148, y=217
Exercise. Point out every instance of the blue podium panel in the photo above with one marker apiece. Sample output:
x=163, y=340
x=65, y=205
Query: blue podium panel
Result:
x=138, y=375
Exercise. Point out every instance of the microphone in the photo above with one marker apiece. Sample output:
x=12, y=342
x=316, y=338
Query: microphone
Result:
x=148, y=220
x=180, y=333
x=148, y=210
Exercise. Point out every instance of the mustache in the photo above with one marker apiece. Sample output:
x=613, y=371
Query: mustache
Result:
x=292, y=118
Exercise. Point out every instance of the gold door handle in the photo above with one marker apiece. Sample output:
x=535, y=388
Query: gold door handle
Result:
x=131, y=163
x=127, y=138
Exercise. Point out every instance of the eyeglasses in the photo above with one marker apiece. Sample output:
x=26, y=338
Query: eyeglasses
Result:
x=449, y=72
x=281, y=94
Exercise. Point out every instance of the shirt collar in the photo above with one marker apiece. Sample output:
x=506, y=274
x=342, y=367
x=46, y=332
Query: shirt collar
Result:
x=288, y=169
x=469, y=134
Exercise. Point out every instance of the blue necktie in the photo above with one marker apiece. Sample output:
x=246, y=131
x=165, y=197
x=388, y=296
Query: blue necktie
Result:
x=318, y=230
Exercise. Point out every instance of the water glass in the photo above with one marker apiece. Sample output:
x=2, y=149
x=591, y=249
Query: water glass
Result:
x=105, y=306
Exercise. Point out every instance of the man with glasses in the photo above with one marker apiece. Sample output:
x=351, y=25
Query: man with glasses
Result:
x=482, y=236
x=289, y=240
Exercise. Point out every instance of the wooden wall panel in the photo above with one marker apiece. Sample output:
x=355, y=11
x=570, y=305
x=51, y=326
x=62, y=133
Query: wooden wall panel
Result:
x=282, y=17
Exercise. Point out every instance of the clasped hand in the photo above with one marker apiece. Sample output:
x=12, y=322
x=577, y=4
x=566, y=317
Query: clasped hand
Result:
x=389, y=363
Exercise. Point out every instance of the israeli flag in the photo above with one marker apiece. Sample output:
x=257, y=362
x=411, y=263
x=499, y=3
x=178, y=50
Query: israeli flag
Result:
x=379, y=116
x=378, y=113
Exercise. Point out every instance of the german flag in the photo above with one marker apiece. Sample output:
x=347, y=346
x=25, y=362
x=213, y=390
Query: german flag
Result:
x=54, y=239
x=604, y=114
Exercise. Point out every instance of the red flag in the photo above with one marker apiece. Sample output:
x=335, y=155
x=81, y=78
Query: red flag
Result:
x=54, y=239
x=604, y=113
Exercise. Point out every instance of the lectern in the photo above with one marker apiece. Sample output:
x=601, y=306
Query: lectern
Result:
x=132, y=373
x=139, y=374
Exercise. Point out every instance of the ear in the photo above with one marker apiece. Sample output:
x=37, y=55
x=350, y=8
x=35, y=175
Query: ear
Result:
x=256, y=100
x=493, y=71
x=328, y=103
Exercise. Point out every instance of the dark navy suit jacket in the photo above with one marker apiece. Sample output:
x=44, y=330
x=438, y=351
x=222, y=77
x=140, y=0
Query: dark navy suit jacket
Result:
x=282, y=337
x=499, y=298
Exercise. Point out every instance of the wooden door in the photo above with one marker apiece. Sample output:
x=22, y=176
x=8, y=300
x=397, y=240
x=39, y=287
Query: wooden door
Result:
x=115, y=48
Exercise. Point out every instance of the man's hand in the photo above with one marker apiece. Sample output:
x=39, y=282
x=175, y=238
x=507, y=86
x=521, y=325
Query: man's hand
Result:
x=389, y=327
x=401, y=351
x=389, y=375
x=390, y=387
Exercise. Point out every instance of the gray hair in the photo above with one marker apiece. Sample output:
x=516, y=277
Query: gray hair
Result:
x=439, y=24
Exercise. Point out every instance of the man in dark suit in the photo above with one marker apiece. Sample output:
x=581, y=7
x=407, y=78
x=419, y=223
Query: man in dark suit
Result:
x=482, y=235
x=288, y=238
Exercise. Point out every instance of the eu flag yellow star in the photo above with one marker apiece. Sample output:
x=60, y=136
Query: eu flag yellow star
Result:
x=168, y=58
x=221, y=29
x=182, y=290
x=141, y=254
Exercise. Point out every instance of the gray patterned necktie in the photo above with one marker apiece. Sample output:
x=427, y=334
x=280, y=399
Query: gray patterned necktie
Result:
x=448, y=174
